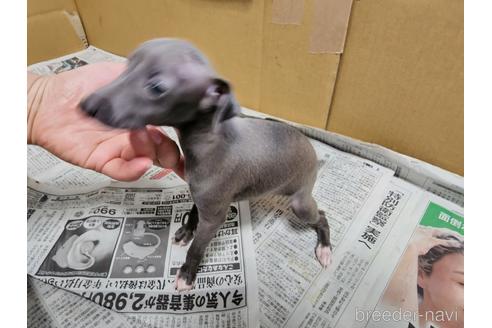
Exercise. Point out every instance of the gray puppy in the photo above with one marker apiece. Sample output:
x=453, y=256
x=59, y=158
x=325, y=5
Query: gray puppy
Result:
x=227, y=157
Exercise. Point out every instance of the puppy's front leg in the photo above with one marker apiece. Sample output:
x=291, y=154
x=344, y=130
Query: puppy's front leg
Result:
x=210, y=220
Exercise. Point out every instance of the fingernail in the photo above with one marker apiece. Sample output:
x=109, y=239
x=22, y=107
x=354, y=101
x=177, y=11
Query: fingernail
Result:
x=149, y=165
x=156, y=137
x=141, y=135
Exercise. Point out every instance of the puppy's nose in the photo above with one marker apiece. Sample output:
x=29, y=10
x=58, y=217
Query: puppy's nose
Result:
x=95, y=104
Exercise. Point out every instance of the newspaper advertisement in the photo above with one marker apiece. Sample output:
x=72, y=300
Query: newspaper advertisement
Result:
x=387, y=214
x=114, y=247
x=426, y=288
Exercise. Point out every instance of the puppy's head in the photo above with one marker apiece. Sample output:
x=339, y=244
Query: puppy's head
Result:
x=167, y=82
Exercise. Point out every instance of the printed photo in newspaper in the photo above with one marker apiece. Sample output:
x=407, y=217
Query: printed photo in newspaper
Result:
x=426, y=288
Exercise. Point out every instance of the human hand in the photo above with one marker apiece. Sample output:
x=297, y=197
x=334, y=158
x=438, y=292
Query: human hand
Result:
x=425, y=238
x=56, y=123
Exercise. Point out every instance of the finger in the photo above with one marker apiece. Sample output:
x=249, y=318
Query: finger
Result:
x=156, y=134
x=124, y=170
x=168, y=154
x=179, y=169
x=140, y=144
x=114, y=147
x=160, y=129
x=167, y=151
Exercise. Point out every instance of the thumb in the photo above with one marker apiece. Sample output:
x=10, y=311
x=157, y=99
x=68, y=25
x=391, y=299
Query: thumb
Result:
x=127, y=170
x=167, y=151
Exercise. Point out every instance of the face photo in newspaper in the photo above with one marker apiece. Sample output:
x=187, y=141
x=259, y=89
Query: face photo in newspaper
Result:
x=428, y=284
x=84, y=248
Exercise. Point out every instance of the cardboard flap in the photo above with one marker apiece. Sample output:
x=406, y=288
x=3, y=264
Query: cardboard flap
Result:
x=51, y=35
x=36, y=7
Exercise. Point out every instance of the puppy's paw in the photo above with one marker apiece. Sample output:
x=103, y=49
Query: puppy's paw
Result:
x=183, y=282
x=323, y=254
x=183, y=236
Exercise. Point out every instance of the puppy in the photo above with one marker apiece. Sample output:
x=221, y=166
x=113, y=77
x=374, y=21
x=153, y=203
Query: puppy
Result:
x=227, y=157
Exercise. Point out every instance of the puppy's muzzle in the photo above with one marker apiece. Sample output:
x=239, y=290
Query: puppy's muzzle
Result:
x=102, y=109
x=97, y=106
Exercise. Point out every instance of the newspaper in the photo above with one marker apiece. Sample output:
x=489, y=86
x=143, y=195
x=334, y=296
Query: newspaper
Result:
x=391, y=217
x=51, y=307
x=372, y=214
x=112, y=245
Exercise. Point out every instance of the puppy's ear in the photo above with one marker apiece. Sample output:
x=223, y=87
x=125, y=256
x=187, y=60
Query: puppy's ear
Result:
x=219, y=98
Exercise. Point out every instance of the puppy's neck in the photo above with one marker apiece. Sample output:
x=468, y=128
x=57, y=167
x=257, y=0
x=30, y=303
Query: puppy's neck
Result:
x=201, y=124
x=200, y=136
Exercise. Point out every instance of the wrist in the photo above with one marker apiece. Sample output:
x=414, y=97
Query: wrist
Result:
x=36, y=87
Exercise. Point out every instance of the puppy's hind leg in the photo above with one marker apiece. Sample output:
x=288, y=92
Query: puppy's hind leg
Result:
x=184, y=234
x=305, y=208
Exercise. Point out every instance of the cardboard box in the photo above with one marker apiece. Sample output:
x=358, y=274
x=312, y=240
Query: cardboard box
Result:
x=400, y=82
x=396, y=80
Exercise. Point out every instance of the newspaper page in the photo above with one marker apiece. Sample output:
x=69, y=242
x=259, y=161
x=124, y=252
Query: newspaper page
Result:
x=426, y=287
x=376, y=201
x=111, y=242
x=77, y=59
x=114, y=246
x=345, y=185
x=51, y=307
x=372, y=215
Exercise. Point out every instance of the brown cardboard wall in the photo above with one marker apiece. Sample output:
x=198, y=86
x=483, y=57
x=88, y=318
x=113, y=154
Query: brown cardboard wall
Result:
x=36, y=7
x=51, y=35
x=50, y=32
x=400, y=82
x=295, y=84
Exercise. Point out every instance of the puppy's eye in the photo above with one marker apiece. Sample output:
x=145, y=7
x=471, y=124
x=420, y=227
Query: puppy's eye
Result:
x=156, y=88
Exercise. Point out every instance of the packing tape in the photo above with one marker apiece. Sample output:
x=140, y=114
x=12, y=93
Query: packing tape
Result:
x=330, y=24
x=287, y=11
